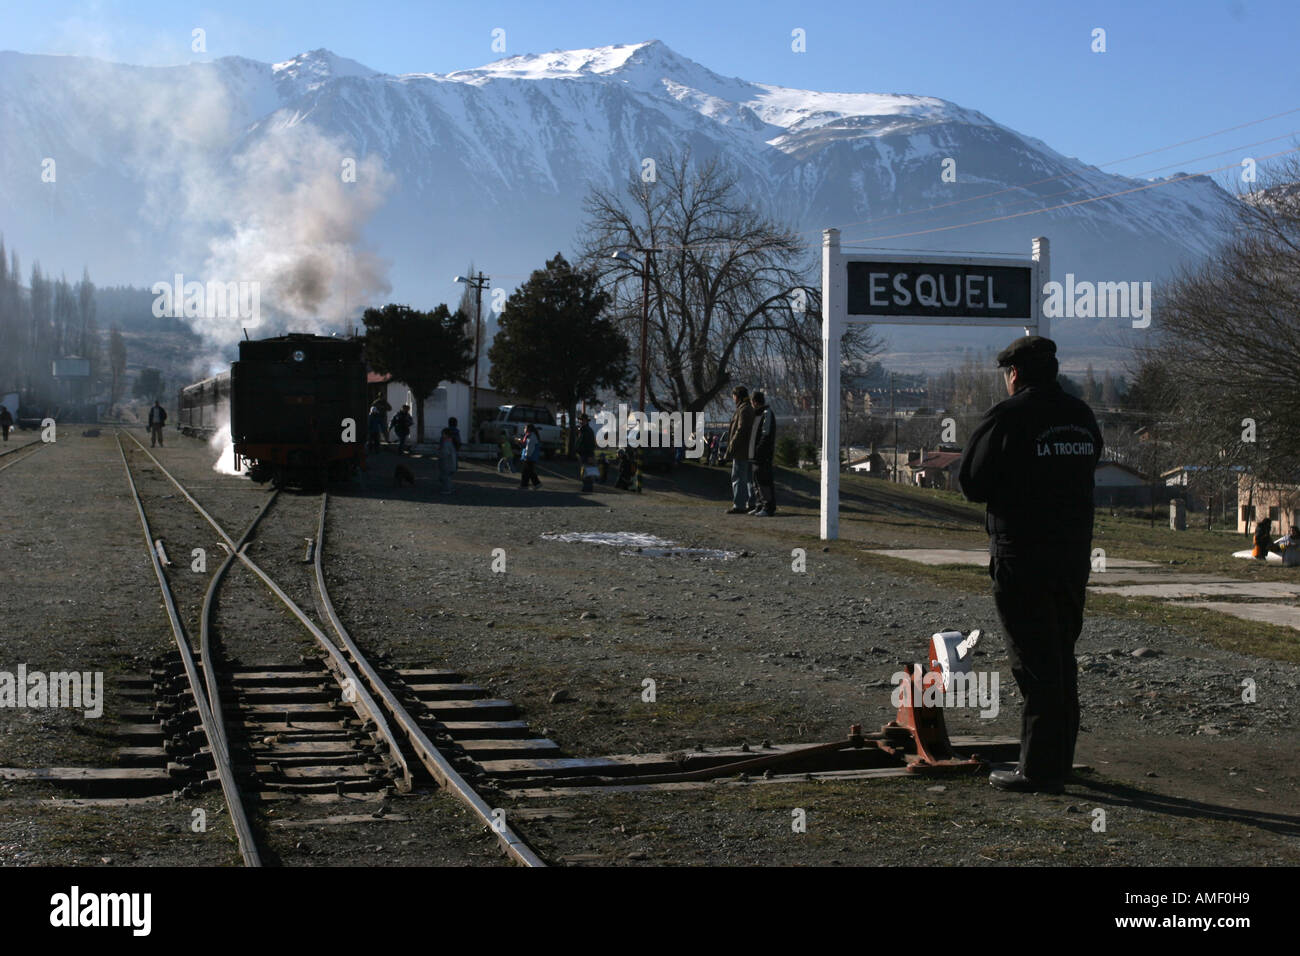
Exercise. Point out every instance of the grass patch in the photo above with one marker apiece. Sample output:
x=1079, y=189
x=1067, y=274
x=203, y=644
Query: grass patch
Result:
x=1254, y=638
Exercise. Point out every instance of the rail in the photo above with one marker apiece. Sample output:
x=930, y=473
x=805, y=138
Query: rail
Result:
x=211, y=728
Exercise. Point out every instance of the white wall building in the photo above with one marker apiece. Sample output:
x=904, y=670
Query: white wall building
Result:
x=449, y=400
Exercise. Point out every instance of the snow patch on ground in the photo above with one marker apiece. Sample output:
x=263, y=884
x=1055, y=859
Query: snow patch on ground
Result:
x=637, y=543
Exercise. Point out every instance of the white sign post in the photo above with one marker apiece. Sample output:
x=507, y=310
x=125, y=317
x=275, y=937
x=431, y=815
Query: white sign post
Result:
x=882, y=289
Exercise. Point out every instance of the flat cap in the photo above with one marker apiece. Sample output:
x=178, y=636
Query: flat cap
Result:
x=1027, y=350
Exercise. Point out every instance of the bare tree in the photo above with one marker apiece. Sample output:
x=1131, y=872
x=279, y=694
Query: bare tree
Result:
x=729, y=296
x=1229, y=342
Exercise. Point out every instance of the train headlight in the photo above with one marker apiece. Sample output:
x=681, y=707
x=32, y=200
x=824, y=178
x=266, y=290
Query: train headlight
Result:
x=299, y=355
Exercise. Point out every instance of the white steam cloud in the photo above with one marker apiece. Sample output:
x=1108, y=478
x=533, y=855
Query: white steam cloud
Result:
x=233, y=195
x=293, y=224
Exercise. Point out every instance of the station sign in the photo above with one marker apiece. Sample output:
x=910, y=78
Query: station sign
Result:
x=886, y=288
x=926, y=291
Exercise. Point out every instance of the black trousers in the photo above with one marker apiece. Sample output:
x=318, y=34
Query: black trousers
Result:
x=765, y=486
x=1040, y=600
x=528, y=474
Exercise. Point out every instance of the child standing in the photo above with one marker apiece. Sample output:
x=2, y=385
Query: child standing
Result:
x=532, y=451
x=448, y=464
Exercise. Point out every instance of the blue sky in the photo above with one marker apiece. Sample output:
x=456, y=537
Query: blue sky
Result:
x=1171, y=70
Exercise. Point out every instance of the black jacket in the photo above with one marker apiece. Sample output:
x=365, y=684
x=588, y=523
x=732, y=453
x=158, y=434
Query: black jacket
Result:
x=1032, y=459
x=762, y=437
x=586, y=442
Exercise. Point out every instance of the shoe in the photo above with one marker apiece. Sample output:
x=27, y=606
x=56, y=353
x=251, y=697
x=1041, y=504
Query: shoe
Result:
x=1016, y=782
x=762, y=514
x=734, y=511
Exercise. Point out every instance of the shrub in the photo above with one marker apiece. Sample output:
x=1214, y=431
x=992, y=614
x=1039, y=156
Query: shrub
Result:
x=787, y=451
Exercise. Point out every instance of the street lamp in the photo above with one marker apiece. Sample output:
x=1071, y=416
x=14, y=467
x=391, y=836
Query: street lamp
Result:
x=478, y=283
x=644, y=268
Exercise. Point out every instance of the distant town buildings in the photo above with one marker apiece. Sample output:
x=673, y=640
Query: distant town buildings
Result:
x=1259, y=499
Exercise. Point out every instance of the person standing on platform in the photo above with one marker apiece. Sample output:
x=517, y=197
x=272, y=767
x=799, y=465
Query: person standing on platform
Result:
x=401, y=424
x=742, y=469
x=448, y=461
x=157, y=419
x=762, y=451
x=586, y=451
x=1032, y=461
x=531, y=453
x=375, y=427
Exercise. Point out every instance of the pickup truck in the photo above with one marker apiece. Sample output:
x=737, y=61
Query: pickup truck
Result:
x=510, y=422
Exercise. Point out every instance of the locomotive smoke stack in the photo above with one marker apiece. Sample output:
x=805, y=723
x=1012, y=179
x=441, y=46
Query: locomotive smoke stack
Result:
x=284, y=210
x=292, y=223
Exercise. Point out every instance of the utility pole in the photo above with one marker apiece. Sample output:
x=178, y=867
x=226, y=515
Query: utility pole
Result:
x=894, y=415
x=478, y=283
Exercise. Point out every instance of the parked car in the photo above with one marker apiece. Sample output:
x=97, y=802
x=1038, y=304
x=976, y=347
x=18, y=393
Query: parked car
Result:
x=511, y=420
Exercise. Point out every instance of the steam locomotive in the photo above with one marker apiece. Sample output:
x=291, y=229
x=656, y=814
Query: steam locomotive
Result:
x=296, y=405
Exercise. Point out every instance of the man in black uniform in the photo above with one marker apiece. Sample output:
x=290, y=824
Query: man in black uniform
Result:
x=1032, y=460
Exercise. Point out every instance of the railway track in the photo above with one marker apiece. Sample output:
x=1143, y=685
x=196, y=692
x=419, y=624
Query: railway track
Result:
x=293, y=737
x=22, y=453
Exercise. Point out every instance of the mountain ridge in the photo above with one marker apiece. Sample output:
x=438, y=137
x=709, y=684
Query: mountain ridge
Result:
x=492, y=163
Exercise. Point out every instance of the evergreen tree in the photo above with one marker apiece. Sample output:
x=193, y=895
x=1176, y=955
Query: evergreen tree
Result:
x=8, y=332
x=555, y=343
x=419, y=349
x=88, y=345
x=40, y=340
x=116, y=364
x=149, y=384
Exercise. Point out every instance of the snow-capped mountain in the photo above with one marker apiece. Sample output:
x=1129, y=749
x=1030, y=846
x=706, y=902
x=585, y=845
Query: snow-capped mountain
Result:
x=220, y=166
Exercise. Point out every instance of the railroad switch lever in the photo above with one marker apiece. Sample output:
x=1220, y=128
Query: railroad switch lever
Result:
x=951, y=653
x=920, y=712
